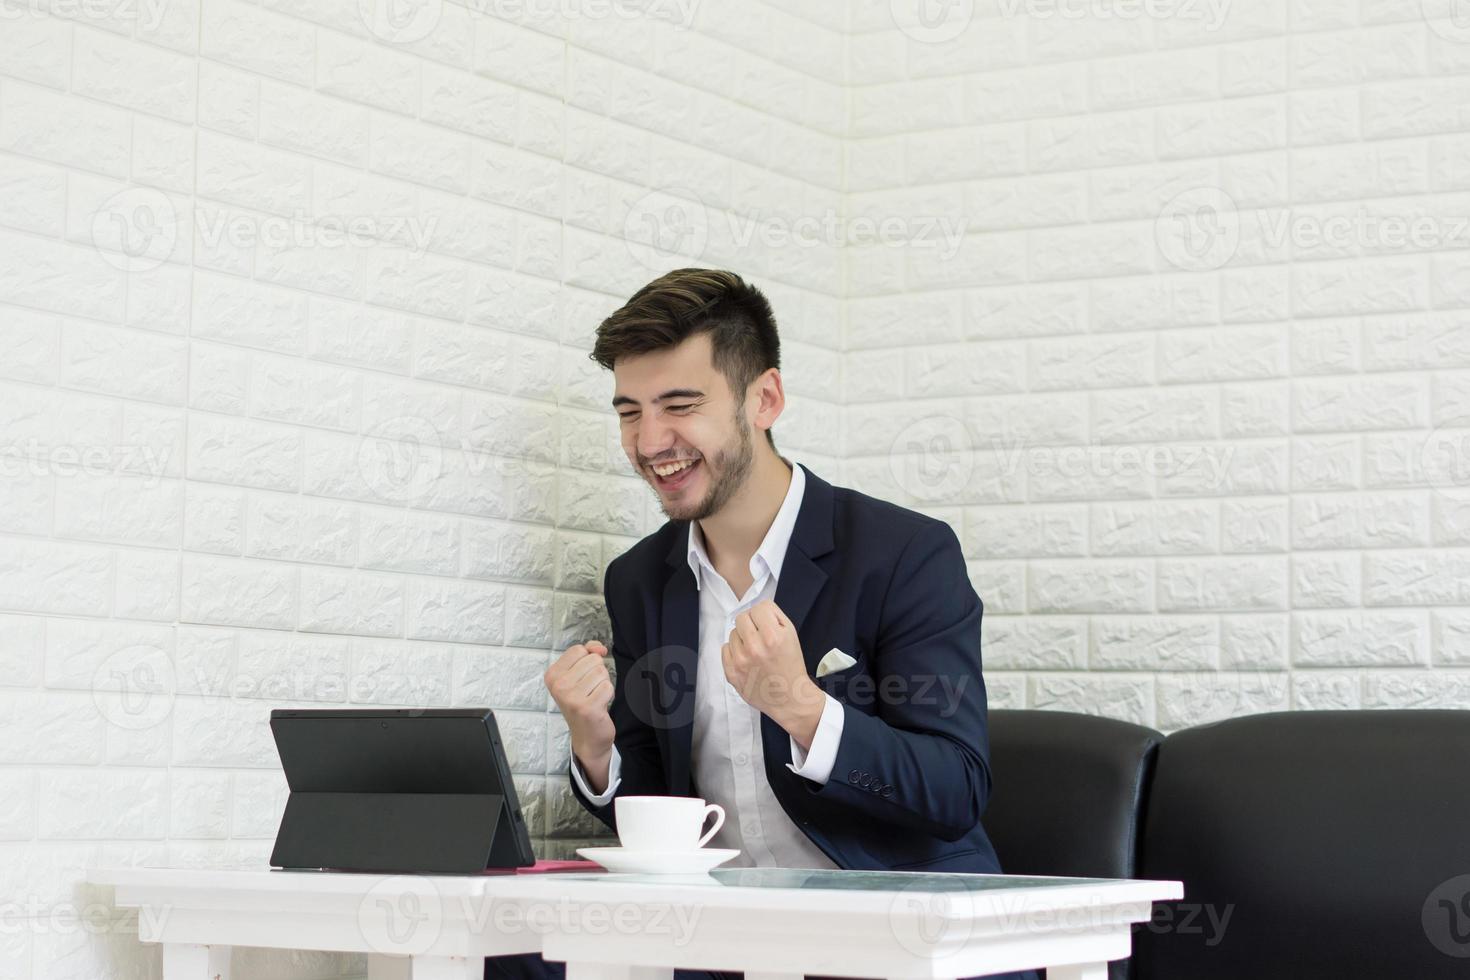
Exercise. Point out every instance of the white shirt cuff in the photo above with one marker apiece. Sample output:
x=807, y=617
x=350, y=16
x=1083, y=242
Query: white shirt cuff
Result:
x=604, y=798
x=817, y=763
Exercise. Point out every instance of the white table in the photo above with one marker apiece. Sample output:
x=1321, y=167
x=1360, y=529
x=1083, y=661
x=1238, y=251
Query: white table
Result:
x=770, y=923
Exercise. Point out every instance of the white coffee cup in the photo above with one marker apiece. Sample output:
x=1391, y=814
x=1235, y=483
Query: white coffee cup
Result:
x=665, y=823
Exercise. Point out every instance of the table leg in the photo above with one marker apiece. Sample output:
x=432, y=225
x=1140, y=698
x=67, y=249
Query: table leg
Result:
x=384, y=967
x=448, y=968
x=192, y=961
x=1078, y=971
x=612, y=971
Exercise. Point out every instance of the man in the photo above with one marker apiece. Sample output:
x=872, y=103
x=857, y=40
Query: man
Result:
x=721, y=617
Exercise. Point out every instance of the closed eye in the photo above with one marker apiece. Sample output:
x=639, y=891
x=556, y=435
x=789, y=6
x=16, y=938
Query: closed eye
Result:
x=627, y=416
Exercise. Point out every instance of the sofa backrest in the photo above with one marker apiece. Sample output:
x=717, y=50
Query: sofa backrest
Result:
x=1312, y=845
x=1066, y=792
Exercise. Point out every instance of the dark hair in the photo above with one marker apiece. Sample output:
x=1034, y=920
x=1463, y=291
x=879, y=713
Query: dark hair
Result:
x=682, y=303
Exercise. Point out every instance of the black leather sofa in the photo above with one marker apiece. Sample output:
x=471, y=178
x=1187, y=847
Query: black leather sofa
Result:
x=1312, y=844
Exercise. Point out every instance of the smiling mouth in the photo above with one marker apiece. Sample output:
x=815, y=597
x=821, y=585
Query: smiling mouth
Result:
x=673, y=476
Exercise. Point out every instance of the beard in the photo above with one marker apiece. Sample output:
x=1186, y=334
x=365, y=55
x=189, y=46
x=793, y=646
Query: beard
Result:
x=727, y=470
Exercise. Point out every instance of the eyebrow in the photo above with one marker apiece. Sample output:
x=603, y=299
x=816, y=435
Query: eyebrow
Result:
x=666, y=396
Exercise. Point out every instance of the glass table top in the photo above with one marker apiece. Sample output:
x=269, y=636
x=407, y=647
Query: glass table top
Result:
x=838, y=880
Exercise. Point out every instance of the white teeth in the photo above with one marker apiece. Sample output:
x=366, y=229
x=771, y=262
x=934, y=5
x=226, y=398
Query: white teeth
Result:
x=672, y=468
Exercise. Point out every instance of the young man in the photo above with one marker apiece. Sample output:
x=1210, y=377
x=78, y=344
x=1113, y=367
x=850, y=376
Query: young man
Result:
x=722, y=616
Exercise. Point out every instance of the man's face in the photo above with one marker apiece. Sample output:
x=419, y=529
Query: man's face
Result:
x=675, y=409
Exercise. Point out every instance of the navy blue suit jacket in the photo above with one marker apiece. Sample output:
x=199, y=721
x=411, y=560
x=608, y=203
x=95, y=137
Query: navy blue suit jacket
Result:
x=888, y=586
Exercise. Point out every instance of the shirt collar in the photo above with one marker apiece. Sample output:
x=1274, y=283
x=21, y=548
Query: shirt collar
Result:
x=772, y=551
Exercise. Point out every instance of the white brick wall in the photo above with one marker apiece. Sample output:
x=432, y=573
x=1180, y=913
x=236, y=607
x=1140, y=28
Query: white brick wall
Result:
x=1216, y=408
x=296, y=409
x=294, y=395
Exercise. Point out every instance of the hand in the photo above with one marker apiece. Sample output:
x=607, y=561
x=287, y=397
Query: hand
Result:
x=582, y=688
x=764, y=663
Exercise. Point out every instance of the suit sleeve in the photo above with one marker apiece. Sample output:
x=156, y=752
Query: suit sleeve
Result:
x=816, y=764
x=579, y=779
x=922, y=760
x=640, y=767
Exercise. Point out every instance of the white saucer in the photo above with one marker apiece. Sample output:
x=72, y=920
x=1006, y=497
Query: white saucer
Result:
x=623, y=859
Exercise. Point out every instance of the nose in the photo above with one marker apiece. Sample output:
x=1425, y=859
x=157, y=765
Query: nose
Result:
x=652, y=438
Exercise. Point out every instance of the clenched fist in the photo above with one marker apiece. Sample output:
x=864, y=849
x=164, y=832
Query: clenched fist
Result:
x=582, y=688
x=764, y=663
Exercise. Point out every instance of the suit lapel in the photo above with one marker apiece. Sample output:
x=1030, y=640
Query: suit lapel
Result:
x=802, y=580
x=678, y=653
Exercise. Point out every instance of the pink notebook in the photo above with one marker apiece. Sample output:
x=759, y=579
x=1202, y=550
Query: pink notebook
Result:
x=547, y=867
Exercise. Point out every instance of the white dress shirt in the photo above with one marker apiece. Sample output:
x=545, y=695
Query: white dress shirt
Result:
x=727, y=759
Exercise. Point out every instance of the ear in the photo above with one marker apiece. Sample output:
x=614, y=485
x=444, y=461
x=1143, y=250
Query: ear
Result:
x=768, y=396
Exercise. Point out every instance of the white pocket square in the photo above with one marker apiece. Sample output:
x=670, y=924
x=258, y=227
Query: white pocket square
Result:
x=834, y=660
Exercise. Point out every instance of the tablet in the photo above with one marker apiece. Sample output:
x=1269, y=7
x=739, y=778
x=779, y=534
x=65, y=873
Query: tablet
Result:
x=403, y=790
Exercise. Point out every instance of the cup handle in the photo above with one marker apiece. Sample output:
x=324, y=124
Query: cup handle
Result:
x=719, y=813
